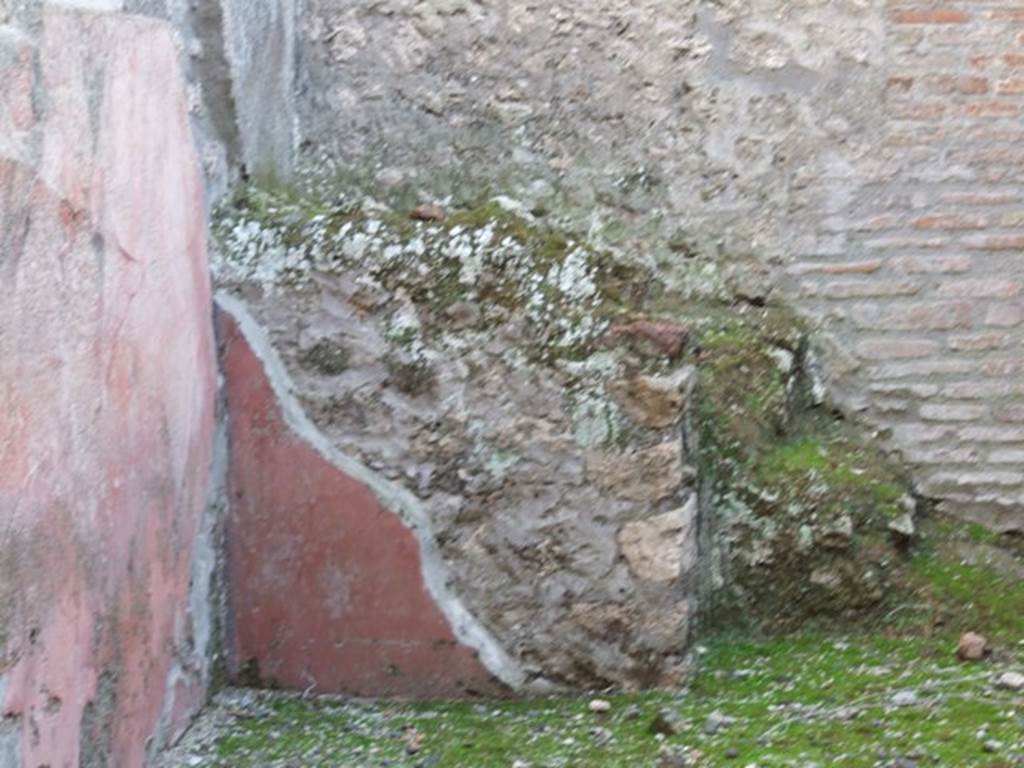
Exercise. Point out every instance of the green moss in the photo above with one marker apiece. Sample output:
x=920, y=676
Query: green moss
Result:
x=956, y=593
x=494, y=214
x=796, y=457
x=803, y=503
x=506, y=275
x=797, y=700
x=851, y=476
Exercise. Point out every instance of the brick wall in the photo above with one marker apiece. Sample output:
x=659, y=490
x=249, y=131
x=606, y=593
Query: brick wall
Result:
x=923, y=292
x=866, y=153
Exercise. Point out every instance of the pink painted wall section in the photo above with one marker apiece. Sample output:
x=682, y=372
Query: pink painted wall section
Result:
x=107, y=379
x=325, y=582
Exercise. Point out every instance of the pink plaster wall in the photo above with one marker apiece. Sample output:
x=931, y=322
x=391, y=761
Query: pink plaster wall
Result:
x=106, y=389
x=325, y=582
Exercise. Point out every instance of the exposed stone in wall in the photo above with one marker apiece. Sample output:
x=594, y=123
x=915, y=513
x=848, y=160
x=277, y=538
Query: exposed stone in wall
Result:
x=860, y=152
x=107, y=400
x=809, y=522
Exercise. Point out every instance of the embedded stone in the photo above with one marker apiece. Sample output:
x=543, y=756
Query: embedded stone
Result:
x=663, y=336
x=427, y=212
x=653, y=401
x=660, y=547
x=903, y=526
x=647, y=475
x=838, y=533
x=826, y=579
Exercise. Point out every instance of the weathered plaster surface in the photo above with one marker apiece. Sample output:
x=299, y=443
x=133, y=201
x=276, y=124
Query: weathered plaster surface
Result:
x=376, y=614
x=260, y=47
x=240, y=61
x=106, y=391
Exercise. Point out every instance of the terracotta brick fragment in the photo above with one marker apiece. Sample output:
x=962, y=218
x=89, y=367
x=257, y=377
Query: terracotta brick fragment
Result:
x=981, y=288
x=665, y=336
x=977, y=342
x=992, y=109
x=1004, y=315
x=892, y=349
x=949, y=221
x=1012, y=87
x=931, y=16
x=996, y=243
x=952, y=412
x=1007, y=14
x=933, y=264
x=836, y=268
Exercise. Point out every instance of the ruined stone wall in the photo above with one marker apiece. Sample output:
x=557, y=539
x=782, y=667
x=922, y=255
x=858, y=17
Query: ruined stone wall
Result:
x=107, y=384
x=859, y=155
x=463, y=444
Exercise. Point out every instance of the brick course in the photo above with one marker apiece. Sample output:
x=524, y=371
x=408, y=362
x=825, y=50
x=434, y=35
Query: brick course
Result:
x=952, y=344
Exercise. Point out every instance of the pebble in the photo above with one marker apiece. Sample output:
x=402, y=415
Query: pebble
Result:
x=602, y=736
x=904, y=699
x=972, y=647
x=666, y=723
x=1010, y=681
x=676, y=757
x=717, y=721
x=600, y=706
x=903, y=525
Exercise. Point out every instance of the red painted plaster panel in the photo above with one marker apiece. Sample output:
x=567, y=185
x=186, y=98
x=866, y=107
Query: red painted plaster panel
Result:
x=106, y=390
x=326, y=584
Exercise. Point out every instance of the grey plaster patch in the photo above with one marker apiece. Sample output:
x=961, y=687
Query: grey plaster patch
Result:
x=260, y=47
x=198, y=651
x=10, y=733
x=96, y=6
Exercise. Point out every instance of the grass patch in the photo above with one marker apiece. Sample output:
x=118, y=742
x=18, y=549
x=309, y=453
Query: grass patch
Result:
x=795, y=701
